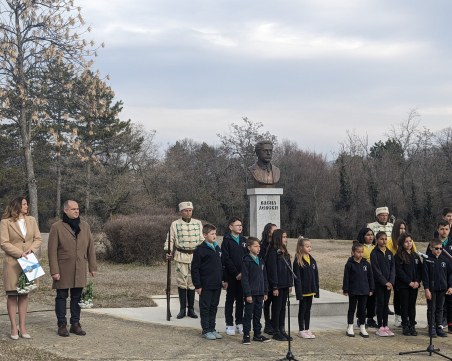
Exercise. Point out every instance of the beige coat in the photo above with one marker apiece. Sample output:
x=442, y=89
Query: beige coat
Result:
x=14, y=244
x=69, y=255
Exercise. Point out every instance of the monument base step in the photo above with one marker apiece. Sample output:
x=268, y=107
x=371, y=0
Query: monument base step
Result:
x=328, y=304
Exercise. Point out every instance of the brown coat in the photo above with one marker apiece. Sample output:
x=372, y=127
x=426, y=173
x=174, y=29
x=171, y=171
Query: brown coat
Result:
x=14, y=244
x=69, y=255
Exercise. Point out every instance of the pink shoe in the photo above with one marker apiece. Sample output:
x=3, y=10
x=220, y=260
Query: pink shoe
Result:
x=388, y=331
x=310, y=334
x=303, y=334
x=381, y=332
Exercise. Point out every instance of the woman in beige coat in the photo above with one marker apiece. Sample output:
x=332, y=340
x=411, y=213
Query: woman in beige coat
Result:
x=19, y=236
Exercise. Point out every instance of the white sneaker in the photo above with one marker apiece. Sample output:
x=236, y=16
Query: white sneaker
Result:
x=350, y=332
x=363, y=332
x=230, y=330
x=239, y=328
x=397, y=320
x=310, y=334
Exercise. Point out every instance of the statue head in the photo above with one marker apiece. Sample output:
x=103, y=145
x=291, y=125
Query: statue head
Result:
x=264, y=151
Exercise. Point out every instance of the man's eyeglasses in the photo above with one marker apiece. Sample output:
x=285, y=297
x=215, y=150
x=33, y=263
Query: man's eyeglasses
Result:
x=438, y=248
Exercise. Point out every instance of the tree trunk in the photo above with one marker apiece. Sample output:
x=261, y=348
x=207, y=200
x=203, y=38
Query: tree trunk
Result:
x=88, y=188
x=58, y=187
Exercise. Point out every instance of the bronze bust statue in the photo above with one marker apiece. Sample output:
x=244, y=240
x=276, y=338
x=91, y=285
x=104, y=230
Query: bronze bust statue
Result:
x=265, y=174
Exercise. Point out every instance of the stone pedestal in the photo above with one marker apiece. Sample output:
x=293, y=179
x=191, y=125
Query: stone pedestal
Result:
x=264, y=208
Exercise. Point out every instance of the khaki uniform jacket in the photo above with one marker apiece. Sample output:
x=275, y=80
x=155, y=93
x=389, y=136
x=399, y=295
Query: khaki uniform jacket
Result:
x=14, y=244
x=69, y=255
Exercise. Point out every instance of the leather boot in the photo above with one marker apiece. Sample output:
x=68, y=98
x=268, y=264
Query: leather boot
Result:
x=62, y=330
x=77, y=329
x=191, y=304
x=183, y=303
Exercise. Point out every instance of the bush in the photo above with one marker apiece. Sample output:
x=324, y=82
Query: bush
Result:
x=138, y=238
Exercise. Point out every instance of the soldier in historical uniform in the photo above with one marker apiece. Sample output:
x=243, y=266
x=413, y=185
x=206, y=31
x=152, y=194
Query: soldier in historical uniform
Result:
x=184, y=236
x=382, y=224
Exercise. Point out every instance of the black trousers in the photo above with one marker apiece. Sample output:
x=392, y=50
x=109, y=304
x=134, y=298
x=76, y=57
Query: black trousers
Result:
x=397, y=302
x=234, y=293
x=370, y=307
x=360, y=301
x=436, y=305
x=253, y=311
x=382, y=295
x=60, y=304
x=448, y=309
x=267, y=306
x=208, y=305
x=408, y=297
x=304, y=313
x=279, y=309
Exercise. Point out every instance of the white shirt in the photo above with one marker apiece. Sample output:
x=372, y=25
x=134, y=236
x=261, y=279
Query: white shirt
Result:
x=22, y=226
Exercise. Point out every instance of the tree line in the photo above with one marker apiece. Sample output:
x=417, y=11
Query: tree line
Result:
x=61, y=137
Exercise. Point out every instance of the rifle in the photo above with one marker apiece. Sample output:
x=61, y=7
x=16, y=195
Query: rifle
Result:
x=168, y=281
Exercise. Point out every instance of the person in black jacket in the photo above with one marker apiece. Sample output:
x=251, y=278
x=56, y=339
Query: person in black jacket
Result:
x=306, y=285
x=234, y=248
x=437, y=281
x=255, y=289
x=408, y=268
x=207, y=274
x=280, y=281
x=383, y=269
x=358, y=284
x=265, y=242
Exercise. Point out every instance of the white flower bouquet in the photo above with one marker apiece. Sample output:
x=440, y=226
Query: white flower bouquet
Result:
x=24, y=286
x=86, y=301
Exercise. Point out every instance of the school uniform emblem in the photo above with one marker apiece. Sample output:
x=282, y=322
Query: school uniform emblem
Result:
x=416, y=261
x=389, y=256
x=443, y=264
x=313, y=266
x=365, y=268
x=220, y=253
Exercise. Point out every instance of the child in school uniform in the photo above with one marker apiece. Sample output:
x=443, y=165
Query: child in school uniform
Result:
x=408, y=267
x=255, y=289
x=437, y=286
x=358, y=284
x=234, y=248
x=366, y=237
x=208, y=278
x=383, y=269
x=265, y=243
x=280, y=281
x=306, y=285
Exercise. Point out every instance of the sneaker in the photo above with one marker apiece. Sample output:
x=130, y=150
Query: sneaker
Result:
x=381, y=332
x=239, y=328
x=268, y=329
x=440, y=332
x=372, y=323
x=209, y=336
x=260, y=338
x=388, y=331
x=278, y=337
x=230, y=330
x=246, y=340
x=310, y=334
x=303, y=334
x=216, y=334
x=397, y=320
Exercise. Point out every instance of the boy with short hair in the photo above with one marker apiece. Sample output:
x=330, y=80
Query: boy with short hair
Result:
x=207, y=273
x=437, y=281
x=234, y=248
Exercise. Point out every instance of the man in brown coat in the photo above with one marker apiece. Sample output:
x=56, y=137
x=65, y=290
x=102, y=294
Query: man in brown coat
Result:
x=71, y=247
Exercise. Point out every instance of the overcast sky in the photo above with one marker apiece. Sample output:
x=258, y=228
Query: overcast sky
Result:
x=309, y=70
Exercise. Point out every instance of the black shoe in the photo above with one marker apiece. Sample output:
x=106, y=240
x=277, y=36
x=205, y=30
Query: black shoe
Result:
x=191, y=313
x=440, y=332
x=260, y=338
x=406, y=331
x=246, y=340
x=268, y=329
x=183, y=303
x=413, y=331
x=278, y=337
x=372, y=323
x=286, y=335
x=182, y=313
x=432, y=333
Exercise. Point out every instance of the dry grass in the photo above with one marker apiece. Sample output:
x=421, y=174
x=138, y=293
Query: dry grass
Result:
x=132, y=285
